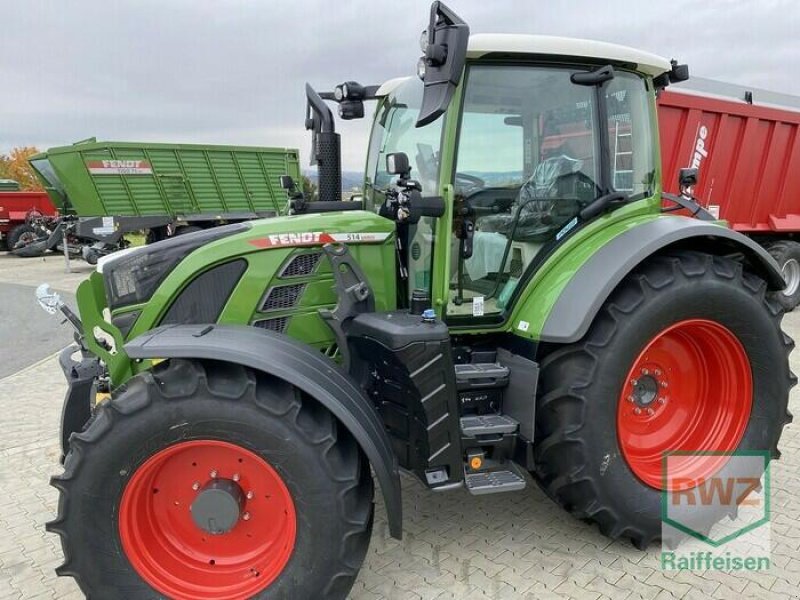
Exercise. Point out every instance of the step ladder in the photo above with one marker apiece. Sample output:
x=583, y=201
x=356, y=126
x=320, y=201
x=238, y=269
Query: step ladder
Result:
x=623, y=178
x=506, y=477
x=493, y=476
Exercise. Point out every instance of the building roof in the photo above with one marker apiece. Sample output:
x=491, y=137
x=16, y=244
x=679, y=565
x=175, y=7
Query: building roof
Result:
x=482, y=44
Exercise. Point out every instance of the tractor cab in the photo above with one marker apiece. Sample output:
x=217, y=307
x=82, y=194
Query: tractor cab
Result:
x=539, y=129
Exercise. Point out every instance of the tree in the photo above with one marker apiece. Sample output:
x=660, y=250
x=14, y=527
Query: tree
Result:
x=309, y=188
x=15, y=165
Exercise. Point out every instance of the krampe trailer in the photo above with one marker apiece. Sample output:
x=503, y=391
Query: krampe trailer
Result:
x=506, y=303
x=745, y=145
x=118, y=187
x=17, y=211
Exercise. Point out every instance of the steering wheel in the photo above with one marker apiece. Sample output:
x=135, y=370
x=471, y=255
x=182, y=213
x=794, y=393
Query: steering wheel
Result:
x=471, y=180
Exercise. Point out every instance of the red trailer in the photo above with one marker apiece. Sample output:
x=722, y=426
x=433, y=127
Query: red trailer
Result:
x=746, y=145
x=18, y=210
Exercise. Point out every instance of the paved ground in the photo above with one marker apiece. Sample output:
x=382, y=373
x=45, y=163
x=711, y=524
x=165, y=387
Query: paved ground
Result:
x=516, y=546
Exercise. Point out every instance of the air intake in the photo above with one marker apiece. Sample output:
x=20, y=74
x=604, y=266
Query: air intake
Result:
x=277, y=325
x=301, y=264
x=283, y=296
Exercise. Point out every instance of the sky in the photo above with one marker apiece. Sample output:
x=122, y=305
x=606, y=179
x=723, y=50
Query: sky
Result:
x=233, y=72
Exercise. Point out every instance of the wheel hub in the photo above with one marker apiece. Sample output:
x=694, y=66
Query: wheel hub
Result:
x=645, y=390
x=218, y=506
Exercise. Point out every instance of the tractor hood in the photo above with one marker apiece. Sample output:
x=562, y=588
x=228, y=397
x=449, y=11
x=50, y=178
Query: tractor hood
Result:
x=268, y=273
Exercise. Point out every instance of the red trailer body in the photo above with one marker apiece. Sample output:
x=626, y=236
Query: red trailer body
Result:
x=16, y=206
x=746, y=147
x=748, y=158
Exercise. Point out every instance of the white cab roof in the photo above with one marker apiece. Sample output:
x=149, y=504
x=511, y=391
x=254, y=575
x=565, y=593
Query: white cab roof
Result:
x=482, y=44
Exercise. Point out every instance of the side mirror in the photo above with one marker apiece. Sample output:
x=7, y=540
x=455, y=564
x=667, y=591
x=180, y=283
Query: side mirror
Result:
x=397, y=164
x=678, y=72
x=444, y=47
x=687, y=179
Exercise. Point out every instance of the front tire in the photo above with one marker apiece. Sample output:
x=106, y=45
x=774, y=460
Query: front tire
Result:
x=149, y=486
x=691, y=317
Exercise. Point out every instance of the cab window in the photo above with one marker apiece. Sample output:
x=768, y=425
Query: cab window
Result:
x=527, y=162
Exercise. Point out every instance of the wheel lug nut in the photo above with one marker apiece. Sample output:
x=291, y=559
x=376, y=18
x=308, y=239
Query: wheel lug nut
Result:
x=634, y=382
x=250, y=495
x=235, y=477
x=662, y=400
x=650, y=411
x=664, y=384
x=645, y=372
x=631, y=399
x=637, y=411
x=213, y=474
x=246, y=516
x=196, y=486
x=657, y=372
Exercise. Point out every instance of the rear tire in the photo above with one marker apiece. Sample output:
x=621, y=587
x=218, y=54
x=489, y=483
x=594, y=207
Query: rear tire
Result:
x=580, y=452
x=116, y=496
x=787, y=255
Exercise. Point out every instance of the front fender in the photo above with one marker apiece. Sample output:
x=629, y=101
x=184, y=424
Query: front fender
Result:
x=592, y=283
x=302, y=366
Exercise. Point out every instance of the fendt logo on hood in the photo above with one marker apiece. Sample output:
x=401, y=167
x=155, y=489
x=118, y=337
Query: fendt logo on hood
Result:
x=700, y=151
x=315, y=238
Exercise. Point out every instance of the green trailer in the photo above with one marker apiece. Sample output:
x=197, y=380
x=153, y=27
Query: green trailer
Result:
x=116, y=187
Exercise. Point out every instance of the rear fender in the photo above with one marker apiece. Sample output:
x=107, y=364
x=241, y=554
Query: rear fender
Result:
x=592, y=283
x=303, y=367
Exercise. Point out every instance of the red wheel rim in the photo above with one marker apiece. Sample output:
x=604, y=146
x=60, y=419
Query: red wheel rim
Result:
x=689, y=390
x=180, y=559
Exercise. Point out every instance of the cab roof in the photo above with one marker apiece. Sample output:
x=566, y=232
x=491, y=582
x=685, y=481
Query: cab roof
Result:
x=482, y=44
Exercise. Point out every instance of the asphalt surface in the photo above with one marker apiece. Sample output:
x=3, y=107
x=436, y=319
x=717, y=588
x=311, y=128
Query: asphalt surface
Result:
x=27, y=333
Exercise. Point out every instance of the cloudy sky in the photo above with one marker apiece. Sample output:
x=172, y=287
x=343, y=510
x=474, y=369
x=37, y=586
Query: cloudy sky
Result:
x=224, y=71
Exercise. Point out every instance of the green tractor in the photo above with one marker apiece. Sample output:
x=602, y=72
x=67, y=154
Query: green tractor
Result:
x=514, y=299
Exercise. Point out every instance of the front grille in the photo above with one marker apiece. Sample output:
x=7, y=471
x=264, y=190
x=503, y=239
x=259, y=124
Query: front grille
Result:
x=301, y=264
x=277, y=325
x=284, y=296
x=204, y=298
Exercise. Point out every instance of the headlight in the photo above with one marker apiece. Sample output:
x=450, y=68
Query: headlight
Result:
x=134, y=277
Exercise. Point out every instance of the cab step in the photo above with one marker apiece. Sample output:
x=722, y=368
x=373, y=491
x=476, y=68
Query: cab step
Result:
x=491, y=424
x=505, y=478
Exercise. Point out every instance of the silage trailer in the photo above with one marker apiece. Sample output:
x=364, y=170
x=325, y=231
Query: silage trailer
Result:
x=118, y=187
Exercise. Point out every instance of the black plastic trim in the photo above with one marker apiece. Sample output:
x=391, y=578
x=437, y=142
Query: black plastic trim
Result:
x=591, y=285
x=300, y=365
x=78, y=402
